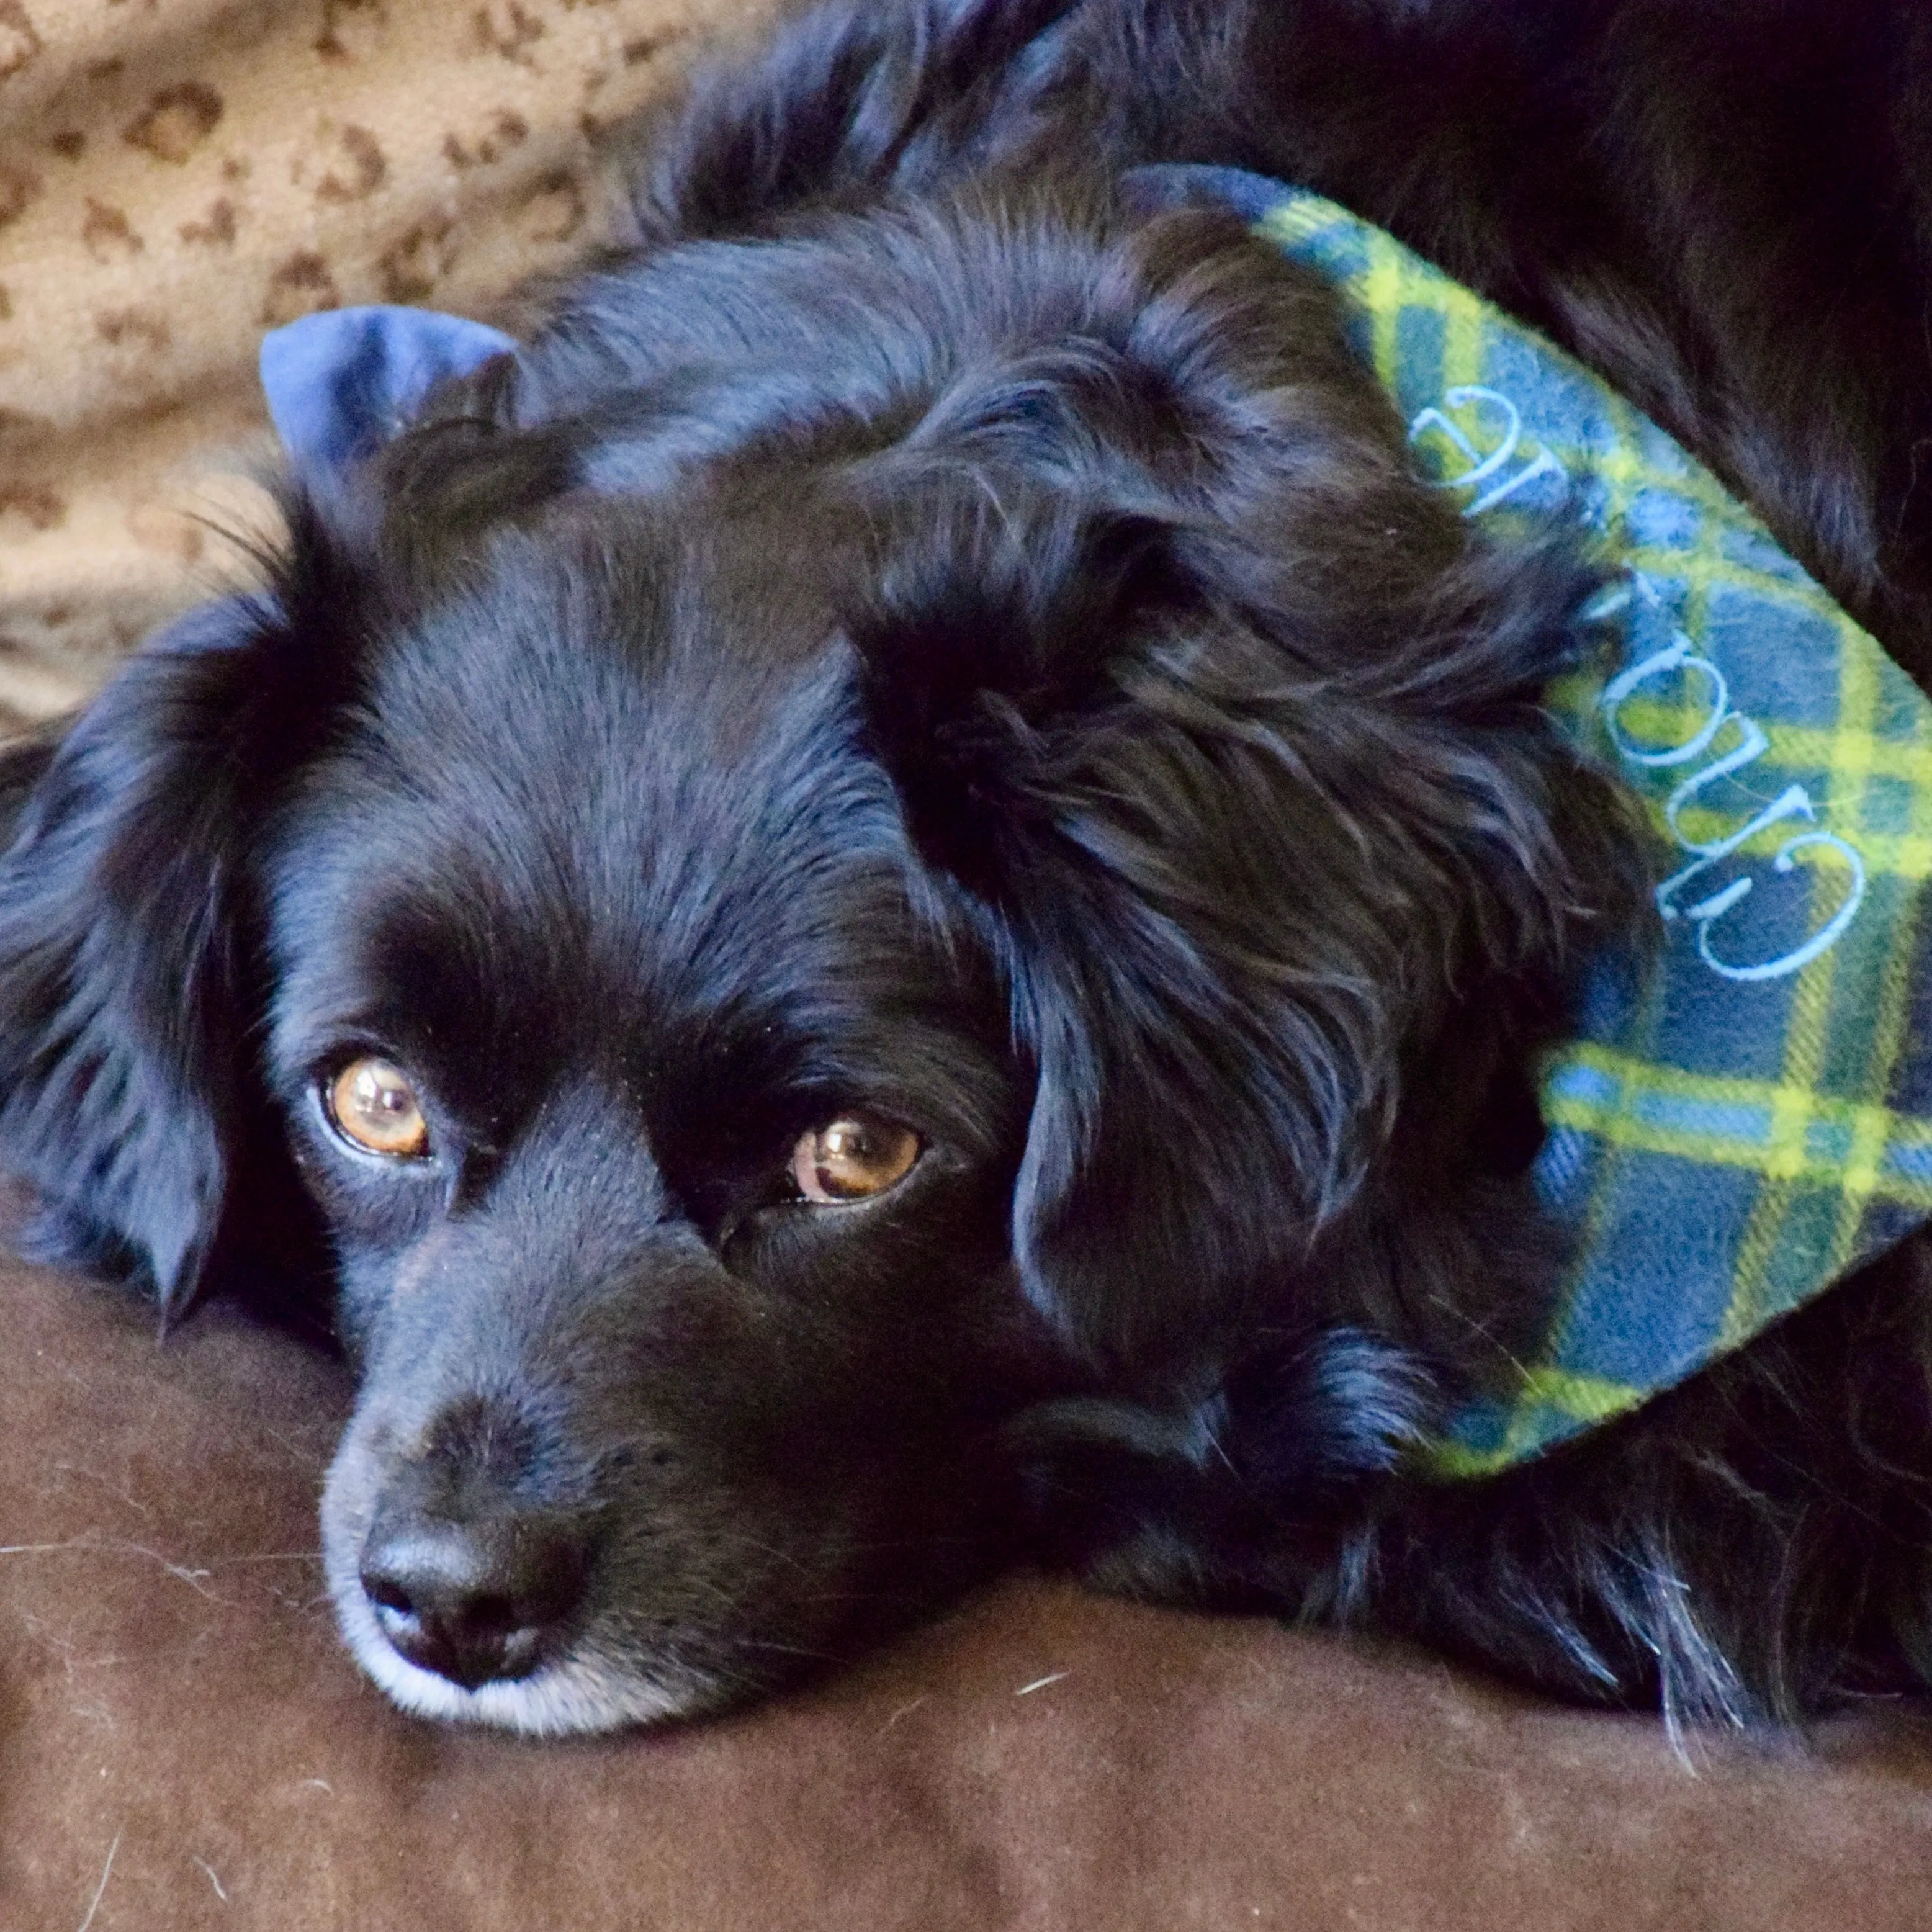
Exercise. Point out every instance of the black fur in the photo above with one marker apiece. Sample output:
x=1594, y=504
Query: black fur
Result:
x=915, y=634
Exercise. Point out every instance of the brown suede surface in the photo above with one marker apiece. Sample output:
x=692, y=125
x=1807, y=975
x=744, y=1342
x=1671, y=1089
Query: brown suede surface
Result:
x=171, y=1692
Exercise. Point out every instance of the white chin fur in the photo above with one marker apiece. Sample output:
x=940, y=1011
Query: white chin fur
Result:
x=570, y=1696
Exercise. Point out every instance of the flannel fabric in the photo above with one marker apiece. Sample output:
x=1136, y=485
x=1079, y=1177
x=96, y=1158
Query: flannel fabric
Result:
x=1744, y=1121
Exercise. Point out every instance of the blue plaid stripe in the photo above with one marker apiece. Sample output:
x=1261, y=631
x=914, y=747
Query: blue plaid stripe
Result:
x=1733, y=1134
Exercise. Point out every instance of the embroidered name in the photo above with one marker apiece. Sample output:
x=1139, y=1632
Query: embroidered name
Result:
x=1509, y=466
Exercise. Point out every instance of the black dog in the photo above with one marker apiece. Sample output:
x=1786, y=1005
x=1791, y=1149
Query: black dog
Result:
x=891, y=897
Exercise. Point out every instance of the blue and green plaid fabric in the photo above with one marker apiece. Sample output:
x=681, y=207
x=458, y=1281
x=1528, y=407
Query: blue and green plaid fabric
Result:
x=1741, y=1123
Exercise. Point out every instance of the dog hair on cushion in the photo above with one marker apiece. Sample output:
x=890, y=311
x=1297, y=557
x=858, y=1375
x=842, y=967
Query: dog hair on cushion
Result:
x=916, y=637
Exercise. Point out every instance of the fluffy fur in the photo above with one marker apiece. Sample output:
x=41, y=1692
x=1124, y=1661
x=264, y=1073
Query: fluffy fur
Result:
x=915, y=635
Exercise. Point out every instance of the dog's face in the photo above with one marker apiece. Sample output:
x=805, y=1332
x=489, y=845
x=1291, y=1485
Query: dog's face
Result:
x=664, y=1142
x=791, y=902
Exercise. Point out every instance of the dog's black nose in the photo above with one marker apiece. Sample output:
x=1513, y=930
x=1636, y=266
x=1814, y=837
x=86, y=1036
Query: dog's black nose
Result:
x=474, y=1601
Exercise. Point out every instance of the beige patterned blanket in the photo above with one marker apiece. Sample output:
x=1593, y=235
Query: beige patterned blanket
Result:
x=177, y=176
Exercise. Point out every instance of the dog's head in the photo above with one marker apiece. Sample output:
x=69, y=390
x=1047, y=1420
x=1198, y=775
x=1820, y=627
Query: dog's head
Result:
x=890, y=825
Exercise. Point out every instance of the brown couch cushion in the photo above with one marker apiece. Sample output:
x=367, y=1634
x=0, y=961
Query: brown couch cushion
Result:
x=171, y=1690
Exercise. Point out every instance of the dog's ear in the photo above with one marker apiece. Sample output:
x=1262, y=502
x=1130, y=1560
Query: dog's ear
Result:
x=1238, y=852
x=406, y=408
x=340, y=384
x=846, y=98
x=126, y=940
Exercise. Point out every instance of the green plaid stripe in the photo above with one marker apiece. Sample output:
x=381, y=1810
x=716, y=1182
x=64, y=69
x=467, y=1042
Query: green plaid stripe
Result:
x=1755, y=1119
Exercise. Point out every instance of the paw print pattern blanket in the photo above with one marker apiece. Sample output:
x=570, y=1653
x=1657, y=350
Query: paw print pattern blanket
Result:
x=177, y=176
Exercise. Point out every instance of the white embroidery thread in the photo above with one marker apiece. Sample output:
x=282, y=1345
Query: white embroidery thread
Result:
x=1680, y=656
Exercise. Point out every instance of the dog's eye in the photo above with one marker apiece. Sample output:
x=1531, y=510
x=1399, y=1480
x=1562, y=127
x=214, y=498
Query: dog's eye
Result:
x=372, y=1104
x=852, y=1159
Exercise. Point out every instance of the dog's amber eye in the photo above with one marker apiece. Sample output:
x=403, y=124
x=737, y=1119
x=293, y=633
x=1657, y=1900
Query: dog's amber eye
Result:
x=852, y=1159
x=372, y=1104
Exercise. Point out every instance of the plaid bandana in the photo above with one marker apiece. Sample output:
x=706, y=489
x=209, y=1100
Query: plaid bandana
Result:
x=1744, y=1128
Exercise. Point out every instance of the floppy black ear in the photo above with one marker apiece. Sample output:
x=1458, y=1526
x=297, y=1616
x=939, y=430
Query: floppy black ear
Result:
x=1241, y=860
x=126, y=943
